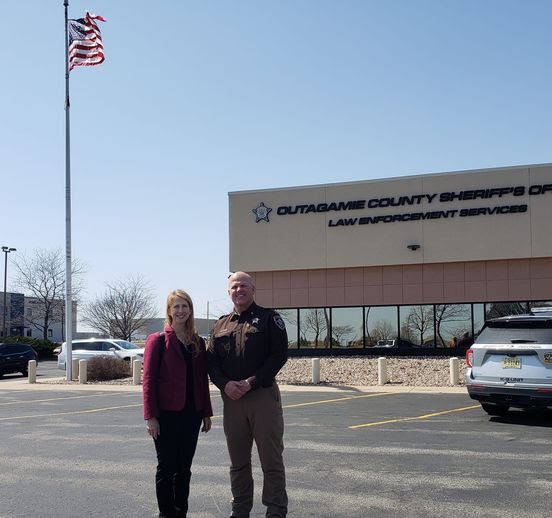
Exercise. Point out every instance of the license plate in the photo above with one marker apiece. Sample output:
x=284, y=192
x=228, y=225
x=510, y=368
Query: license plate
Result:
x=511, y=363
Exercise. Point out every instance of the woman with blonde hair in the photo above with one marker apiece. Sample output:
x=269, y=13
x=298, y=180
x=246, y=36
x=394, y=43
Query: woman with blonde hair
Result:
x=176, y=402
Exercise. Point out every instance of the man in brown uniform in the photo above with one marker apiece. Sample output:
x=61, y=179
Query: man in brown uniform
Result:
x=247, y=349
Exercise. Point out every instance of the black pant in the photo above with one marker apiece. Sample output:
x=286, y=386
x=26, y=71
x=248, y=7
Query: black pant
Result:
x=175, y=449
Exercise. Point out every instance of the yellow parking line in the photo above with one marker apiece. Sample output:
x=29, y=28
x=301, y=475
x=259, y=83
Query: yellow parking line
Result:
x=69, y=413
x=56, y=399
x=337, y=399
x=327, y=401
x=426, y=416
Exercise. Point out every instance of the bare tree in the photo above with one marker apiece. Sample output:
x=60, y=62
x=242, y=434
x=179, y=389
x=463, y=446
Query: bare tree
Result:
x=382, y=330
x=449, y=313
x=317, y=321
x=42, y=276
x=365, y=324
x=341, y=333
x=502, y=309
x=289, y=316
x=420, y=320
x=123, y=309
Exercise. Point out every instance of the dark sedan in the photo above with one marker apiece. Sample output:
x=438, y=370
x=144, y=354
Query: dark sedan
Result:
x=15, y=358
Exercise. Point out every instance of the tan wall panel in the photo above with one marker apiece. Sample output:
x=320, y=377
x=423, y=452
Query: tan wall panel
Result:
x=473, y=238
x=541, y=214
x=382, y=243
x=281, y=241
x=314, y=240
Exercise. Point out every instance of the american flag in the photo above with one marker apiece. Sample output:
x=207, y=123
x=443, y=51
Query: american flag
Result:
x=85, y=42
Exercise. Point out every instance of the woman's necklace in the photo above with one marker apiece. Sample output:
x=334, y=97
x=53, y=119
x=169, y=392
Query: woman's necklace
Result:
x=183, y=338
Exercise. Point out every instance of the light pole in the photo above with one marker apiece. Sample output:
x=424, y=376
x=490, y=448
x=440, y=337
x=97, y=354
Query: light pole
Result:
x=208, y=323
x=208, y=326
x=6, y=250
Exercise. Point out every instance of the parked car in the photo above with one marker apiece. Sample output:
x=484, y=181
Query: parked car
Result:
x=510, y=363
x=92, y=347
x=15, y=358
x=386, y=343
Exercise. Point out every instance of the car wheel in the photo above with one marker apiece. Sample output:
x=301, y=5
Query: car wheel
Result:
x=497, y=410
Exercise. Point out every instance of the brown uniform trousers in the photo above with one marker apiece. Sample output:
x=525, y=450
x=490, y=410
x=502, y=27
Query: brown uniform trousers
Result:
x=256, y=416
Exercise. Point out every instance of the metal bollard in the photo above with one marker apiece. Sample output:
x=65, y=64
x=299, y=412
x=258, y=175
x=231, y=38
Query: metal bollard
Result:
x=382, y=370
x=316, y=370
x=31, y=369
x=454, y=371
x=75, y=371
x=136, y=372
x=83, y=371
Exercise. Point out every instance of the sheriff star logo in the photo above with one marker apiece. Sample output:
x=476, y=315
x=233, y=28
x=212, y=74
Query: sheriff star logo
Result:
x=261, y=212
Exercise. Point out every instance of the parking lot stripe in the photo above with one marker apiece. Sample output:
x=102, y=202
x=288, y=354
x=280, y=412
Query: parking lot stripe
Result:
x=20, y=401
x=56, y=414
x=419, y=417
x=326, y=401
x=337, y=400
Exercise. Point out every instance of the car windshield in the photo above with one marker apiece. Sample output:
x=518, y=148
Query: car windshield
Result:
x=515, y=335
x=126, y=345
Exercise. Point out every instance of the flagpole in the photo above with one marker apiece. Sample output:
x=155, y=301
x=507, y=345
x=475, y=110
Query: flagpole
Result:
x=68, y=296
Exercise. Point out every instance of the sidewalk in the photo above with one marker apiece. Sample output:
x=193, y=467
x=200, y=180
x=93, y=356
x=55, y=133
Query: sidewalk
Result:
x=23, y=384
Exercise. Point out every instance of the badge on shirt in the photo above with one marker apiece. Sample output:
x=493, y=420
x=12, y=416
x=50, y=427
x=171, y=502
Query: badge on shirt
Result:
x=279, y=322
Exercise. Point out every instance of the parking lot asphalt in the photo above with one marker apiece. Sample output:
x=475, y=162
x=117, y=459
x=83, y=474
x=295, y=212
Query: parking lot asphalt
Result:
x=71, y=450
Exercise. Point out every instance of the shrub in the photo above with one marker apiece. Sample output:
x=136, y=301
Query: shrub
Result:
x=103, y=368
x=44, y=348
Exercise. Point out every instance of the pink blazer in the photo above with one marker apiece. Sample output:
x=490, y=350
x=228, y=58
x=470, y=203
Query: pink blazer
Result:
x=164, y=385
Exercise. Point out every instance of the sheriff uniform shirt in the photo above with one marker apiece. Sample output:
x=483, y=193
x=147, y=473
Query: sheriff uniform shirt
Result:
x=261, y=334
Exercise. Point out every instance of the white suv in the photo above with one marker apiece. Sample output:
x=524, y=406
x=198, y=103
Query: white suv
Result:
x=92, y=347
x=510, y=363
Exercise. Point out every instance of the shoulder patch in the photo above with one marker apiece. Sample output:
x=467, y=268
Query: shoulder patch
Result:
x=279, y=322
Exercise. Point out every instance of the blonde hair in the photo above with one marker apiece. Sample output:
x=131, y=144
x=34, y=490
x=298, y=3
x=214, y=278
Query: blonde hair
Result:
x=189, y=326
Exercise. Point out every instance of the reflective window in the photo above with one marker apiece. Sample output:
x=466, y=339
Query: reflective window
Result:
x=542, y=304
x=440, y=325
x=503, y=309
x=289, y=316
x=516, y=332
x=478, y=318
x=14, y=348
x=314, y=326
x=126, y=345
x=347, y=327
x=380, y=326
x=417, y=326
x=452, y=323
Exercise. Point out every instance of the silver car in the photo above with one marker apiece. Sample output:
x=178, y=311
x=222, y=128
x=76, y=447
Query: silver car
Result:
x=89, y=348
x=510, y=363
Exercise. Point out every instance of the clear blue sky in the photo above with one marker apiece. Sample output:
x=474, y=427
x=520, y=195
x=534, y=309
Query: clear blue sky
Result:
x=199, y=98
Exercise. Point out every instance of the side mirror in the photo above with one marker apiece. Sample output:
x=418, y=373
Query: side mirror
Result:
x=112, y=349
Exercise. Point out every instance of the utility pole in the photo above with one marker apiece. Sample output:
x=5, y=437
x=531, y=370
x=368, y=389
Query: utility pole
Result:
x=6, y=250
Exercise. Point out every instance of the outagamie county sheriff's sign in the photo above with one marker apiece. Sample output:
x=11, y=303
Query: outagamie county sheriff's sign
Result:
x=506, y=195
